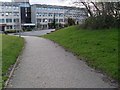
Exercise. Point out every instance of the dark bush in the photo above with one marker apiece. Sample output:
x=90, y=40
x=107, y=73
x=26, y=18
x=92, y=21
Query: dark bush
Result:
x=57, y=25
x=102, y=21
x=66, y=25
x=117, y=23
x=71, y=21
x=11, y=31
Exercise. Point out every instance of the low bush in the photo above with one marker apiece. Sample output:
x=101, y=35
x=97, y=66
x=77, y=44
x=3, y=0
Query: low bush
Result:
x=11, y=31
x=101, y=22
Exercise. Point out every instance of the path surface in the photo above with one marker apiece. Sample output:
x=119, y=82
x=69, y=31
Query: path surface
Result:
x=36, y=33
x=44, y=64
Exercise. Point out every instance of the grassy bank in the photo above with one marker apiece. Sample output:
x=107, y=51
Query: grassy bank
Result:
x=98, y=47
x=11, y=48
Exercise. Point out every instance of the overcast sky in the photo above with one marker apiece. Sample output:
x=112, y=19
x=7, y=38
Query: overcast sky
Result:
x=49, y=2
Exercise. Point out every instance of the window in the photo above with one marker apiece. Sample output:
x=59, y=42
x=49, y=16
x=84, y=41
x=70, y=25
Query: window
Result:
x=50, y=14
x=45, y=20
x=16, y=26
x=0, y=7
x=26, y=15
x=56, y=14
x=6, y=14
x=61, y=20
x=45, y=14
x=17, y=7
x=2, y=21
x=16, y=14
x=2, y=14
x=16, y=20
x=38, y=20
x=6, y=7
x=37, y=14
x=40, y=15
x=9, y=7
x=14, y=7
x=9, y=27
x=61, y=15
x=37, y=8
x=10, y=14
x=56, y=20
x=8, y=20
x=50, y=20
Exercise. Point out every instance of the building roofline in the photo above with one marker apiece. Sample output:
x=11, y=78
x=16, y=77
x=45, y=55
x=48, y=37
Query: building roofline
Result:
x=56, y=6
x=44, y=5
x=12, y=2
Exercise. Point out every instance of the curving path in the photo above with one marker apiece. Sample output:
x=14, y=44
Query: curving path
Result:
x=45, y=64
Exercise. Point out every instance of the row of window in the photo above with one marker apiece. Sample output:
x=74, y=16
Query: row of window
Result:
x=40, y=8
x=50, y=14
x=58, y=15
x=9, y=20
x=12, y=27
x=49, y=20
x=10, y=14
x=52, y=8
x=72, y=16
x=57, y=9
x=9, y=7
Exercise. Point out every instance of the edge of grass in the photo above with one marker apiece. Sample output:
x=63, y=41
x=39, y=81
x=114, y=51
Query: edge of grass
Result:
x=14, y=54
x=80, y=56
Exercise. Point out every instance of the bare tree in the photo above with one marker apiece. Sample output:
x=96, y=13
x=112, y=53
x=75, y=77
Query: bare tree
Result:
x=86, y=5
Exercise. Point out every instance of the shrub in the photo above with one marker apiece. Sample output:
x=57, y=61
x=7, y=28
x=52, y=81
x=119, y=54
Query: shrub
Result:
x=71, y=21
x=66, y=25
x=57, y=25
x=101, y=22
x=11, y=31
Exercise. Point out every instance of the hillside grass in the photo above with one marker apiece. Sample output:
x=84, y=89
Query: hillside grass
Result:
x=11, y=48
x=99, y=48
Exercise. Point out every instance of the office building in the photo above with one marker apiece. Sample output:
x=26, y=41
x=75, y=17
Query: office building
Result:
x=10, y=15
x=20, y=14
x=15, y=15
x=43, y=15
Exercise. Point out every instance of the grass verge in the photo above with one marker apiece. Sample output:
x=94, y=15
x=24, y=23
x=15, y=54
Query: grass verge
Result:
x=11, y=48
x=98, y=47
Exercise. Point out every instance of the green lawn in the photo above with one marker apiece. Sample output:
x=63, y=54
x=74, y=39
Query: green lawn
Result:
x=11, y=48
x=99, y=48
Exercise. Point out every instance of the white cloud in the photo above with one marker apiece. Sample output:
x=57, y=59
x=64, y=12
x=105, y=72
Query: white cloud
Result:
x=48, y=2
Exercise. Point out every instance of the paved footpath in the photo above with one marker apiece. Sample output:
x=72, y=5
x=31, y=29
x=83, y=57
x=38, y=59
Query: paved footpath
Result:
x=45, y=64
